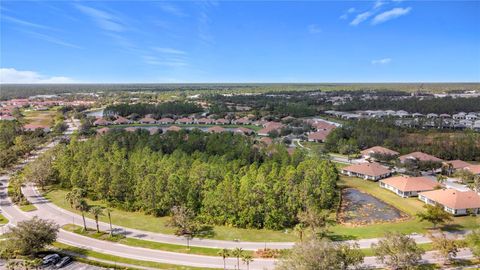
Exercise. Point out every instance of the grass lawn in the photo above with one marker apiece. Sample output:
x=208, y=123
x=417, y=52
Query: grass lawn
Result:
x=411, y=206
x=40, y=117
x=115, y=259
x=27, y=207
x=141, y=221
x=144, y=243
x=3, y=220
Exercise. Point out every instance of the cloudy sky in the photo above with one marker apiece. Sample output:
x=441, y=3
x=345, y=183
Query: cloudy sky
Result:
x=181, y=42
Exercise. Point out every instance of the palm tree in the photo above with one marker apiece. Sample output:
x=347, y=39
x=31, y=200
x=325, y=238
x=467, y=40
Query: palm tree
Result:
x=109, y=212
x=82, y=206
x=299, y=229
x=247, y=259
x=224, y=253
x=71, y=197
x=238, y=252
x=441, y=179
x=96, y=211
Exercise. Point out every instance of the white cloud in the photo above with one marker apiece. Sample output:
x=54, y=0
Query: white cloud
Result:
x=314, y=29
x=344, y=16
x=169, y=50
x=378, y=4
x=390, y=14
x=351, y=10
x=103, y=19
x=361, y=17
x=26, y=23
x=171, y=9
x=11, y=75
x=383, y=61
x=51, y=39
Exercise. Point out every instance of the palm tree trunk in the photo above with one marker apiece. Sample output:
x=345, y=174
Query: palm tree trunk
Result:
x=110, y=220
x=224, y=264
x=84, y=222
x=96, y=221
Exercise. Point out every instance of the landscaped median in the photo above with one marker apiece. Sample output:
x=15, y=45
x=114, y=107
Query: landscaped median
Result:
x=3, y=220
x=115, y=262
x=27, y=207
x=134, y=242
x=142, y=221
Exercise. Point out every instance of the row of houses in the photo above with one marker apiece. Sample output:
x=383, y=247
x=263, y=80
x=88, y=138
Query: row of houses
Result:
x=149, y=119
x=431, y=192
x=173, y=128
x=472, y=116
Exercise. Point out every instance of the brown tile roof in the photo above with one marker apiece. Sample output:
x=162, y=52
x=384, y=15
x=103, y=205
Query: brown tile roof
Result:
x=166, y=120
x=101, y=122
x=266, y=140
x=318, y=135
x=475, y=169
x=322, y=125
x=173, y=128
x=404, y=183
x=216, y=129
x=184, y=120
x=453, y=198
x=420, y=156
x=370, y=169
x=378, y=150
x=121, y=120
x=148, y=120
x=243, y=130
x=458, y=164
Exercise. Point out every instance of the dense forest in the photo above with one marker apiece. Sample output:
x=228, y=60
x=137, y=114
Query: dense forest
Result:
x=158, y=110
x=415, y=105
x=357, y=135
x=223, y=178
x=14, y=142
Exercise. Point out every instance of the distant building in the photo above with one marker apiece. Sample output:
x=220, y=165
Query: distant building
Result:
x=173, y=128
x=243, y=130
x=420, y=157
x=368, y=171
x=185, y=121
x=205, y=121
x=405, y=186
x=166, y=121
x=318, y=136
x=121, y=121
x=453, y=201
x=147, y=120
x=216, y=129
x=378, y=150
x=101, y=122
x=475, y=169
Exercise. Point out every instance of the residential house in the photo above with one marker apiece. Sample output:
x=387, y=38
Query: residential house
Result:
x=405, y=186
x=318, y=136
x=368, y=171
x=185, y=121
x=101, y=122
x=121, y=121
x=216, y=129
x=378, y=150
x=475, y=169
x=173, y=128
x=222, y=121
x=147, y=120
x=453, y=201
x=419, y=156
x=243, y=130
x=205, y=121
x=166, y=121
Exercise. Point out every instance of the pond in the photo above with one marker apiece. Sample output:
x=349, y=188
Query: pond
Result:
x=359, y=208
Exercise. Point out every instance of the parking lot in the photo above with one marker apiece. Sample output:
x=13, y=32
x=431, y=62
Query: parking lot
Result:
x=72, y=266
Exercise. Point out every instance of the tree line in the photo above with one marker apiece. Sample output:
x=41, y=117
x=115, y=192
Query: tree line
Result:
x=356, y=135
x=223, y=178
x=158, y=110
x=447, y=105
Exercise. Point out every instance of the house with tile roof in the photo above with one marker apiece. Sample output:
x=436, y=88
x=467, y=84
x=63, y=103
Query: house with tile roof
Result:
x=216, y=129
x=378, y=150
x=405, y=186
x=420, y=157
x=368, y=171
x=453, y=201
x=173, y=128
x=318, y=136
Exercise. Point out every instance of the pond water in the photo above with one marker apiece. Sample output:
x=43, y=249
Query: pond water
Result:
x=95, y=113
x=361, y=208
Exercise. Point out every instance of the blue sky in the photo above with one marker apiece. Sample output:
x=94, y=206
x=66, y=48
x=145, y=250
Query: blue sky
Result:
x=182, y=42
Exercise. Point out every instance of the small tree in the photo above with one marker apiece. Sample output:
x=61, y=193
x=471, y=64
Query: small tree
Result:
x=441, y=179
x=247, y=259
x=96, y=211
x=183, y=219
x=299, y=230
x=321, y=254
x=224, y=253
x=29, y=237
x=316, y=220
x=238, y=253
x=434, y=214
x=473, y=242
x=447, y=248
x=397, y=251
